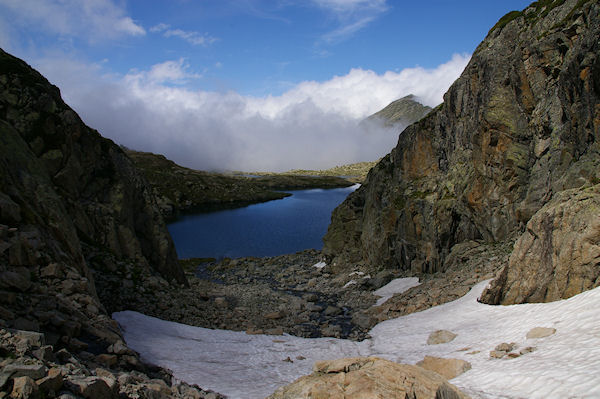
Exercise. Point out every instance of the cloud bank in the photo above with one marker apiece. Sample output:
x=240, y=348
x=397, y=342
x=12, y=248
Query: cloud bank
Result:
x=314, y=125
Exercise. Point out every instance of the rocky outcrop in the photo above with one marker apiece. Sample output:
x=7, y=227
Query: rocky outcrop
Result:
x=356, y=378
x=404, y=111
x=521, y=124
x=73, y=208
x=558, y=256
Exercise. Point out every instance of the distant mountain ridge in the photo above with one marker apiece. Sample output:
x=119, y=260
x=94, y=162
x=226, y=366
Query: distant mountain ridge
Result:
x=406, y=110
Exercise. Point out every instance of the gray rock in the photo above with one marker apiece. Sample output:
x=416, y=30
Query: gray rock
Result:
x=90, y=387
x=540, y=332
x=440, y=337
x=35, y=371
x=14, y=280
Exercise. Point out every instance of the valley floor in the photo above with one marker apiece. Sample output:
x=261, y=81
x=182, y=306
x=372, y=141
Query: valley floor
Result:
x=564, y=364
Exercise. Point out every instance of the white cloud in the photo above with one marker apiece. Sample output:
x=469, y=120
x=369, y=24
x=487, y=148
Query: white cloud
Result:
x=192, y=37
x=351, y=15
x=176, y=72
x=312, y=125
x=91, y=19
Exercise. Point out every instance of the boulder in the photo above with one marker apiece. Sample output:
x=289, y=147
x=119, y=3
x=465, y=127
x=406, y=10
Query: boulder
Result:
x=90, y=387
x=557, y=256
x=447, y=368
x=440, y=337
x=362, y=378
x=24, y=388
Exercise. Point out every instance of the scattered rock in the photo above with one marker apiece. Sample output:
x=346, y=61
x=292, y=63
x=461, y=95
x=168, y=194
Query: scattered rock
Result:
x=540, y=332
x=440, y=337
x=447, y=368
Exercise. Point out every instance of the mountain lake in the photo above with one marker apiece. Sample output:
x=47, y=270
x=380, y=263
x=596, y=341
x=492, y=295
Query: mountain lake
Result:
x=271, y=228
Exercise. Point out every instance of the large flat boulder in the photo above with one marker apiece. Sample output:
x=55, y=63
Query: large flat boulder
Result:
x=372, y=378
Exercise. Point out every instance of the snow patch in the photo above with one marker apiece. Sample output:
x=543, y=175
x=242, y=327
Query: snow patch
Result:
x=349, y=283
x=565, y=364
x=320, y=265
x=396, y=286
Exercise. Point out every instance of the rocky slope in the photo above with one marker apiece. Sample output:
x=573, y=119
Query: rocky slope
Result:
x=405, y=111
x=180, y=189
x=73, y=208
x=520, y=125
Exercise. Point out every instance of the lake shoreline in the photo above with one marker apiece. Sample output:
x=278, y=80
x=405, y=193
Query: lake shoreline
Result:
x=298, y=294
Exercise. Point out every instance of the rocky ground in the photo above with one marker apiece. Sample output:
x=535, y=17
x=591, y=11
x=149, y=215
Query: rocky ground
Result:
x=296, y=294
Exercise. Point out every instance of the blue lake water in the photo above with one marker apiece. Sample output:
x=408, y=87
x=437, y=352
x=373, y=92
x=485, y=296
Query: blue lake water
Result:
x=271, y=228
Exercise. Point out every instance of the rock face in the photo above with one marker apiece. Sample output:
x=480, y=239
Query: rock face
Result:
x=361, y=378
x=73, y=209
x=520, y=125
x=66, y=184
x=558, y=255
x=404, y=111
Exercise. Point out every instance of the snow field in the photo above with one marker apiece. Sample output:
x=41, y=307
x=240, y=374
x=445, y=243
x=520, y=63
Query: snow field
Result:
x=566, y=364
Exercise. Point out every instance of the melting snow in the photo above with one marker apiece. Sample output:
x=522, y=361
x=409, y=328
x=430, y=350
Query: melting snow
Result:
x=566, y=364
x=397, y=286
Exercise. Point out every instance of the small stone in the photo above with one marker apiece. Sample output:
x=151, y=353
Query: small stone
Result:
x=440, y=337
x=52, y=382
x=540, y=332
x=527, y=349
x=32, y=338
x=53, y=270
x=497, y=354
x=513, y=355
x=13, y=280
x=91, y=387
x=275, y=315
x=504, y=347
x=119, y=348
x=45, y=353
x=447, y=368
x=107, y=359
x=332, y=311
x=25, y=388
x=33, y=371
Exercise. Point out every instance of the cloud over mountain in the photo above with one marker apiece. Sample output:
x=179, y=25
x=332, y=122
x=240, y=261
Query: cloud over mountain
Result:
x=312, y=125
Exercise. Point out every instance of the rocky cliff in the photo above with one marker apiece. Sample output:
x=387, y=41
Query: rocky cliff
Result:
x=73, y=210
x=520, y=125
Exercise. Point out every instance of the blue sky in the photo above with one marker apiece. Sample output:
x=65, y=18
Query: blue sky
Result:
x=246, y=84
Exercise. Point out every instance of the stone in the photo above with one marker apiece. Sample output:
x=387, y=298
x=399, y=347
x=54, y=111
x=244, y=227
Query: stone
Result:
x=24, y=388
x=360, y=378
x=13, y=280
x=44, y=353
x=53, y=270
x=32, y=338
x=107, y=360
x=540, y=332
x=497, y=354
x=90, y=387
x=440, y=337
x=447, y=368
x=332, y=311
x=275, y=315
x=52, y=382
x=33, y=371
x=505, y=347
